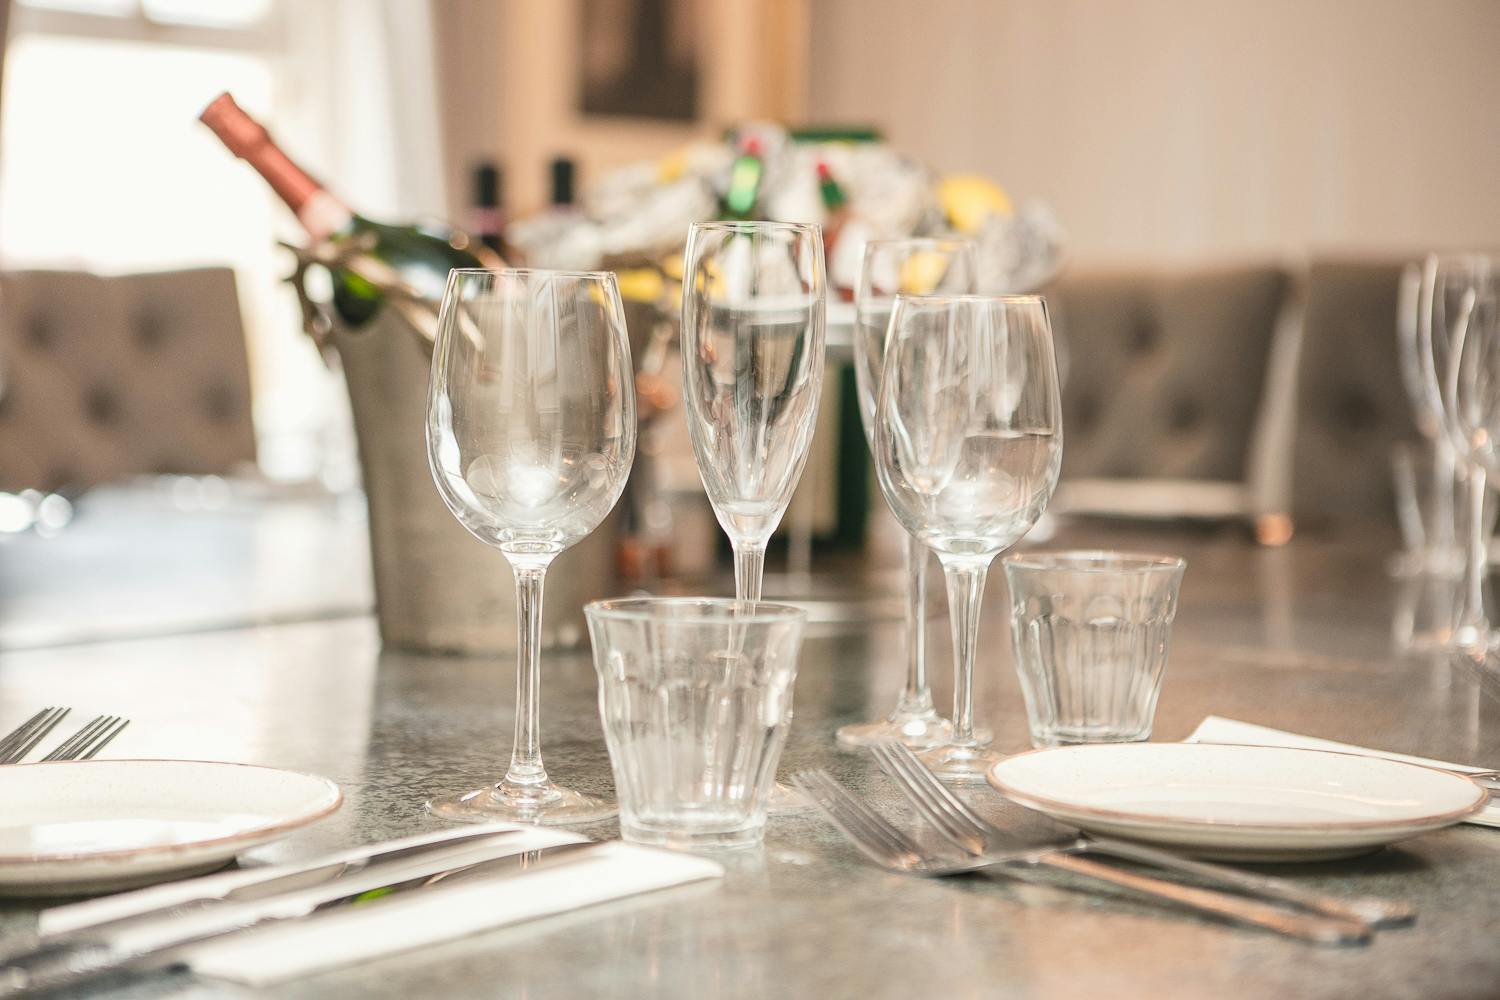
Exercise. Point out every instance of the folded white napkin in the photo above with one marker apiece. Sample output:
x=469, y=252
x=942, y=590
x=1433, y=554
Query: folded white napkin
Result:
x=1218, y=730
x=346, y=935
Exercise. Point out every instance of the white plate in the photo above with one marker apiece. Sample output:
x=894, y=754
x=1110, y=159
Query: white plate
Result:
x=69, y=828
x=1238, y=803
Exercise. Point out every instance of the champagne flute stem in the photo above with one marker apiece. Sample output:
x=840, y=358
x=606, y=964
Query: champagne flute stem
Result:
x=917, y=698
x=1473, y=622
x=749, y=569
x=526, y=773
x=965, y=591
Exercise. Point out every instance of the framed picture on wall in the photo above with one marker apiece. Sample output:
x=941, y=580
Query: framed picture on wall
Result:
x=639, y=59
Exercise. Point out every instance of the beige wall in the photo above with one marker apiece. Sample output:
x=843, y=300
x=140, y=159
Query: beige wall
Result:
x=1167, y=128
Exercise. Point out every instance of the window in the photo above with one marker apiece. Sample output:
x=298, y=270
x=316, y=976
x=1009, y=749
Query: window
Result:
x=104, y=166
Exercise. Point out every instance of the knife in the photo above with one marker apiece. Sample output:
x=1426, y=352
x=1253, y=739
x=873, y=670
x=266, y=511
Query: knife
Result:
x=278, y=881
x=67, y=966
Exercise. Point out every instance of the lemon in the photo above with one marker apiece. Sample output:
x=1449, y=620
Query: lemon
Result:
x=969, y=199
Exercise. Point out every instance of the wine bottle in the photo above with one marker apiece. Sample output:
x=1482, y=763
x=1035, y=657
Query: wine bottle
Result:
x=487, y=211
x=421, y=256
x=743, y=192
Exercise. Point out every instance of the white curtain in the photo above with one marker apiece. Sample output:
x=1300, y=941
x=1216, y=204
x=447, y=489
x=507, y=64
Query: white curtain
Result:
x=367, y=87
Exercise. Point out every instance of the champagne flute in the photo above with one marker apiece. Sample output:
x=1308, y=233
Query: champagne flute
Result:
x=909, y=267
x=1464, y=302
x=753, y=312
x=531, y=433
x=1449, y=290
x=968, y=445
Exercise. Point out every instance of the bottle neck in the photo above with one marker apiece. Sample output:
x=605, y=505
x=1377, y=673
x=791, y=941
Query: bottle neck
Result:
x=319, y=212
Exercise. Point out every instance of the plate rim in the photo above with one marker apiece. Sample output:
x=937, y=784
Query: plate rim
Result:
x=1482, y=797
x=158, y=850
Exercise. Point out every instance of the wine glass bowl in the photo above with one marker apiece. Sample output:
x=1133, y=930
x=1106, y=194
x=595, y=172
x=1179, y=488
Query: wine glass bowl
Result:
x=531, y=432
x=752, y=349
x=890, y=268
x=968, y=447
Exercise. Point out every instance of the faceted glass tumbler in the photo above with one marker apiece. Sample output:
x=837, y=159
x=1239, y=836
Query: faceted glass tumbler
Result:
x=1091, y=632
x=695, y=695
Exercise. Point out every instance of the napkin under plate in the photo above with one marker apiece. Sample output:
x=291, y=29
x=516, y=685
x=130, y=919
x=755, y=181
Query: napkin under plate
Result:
x=344, y=936
x=1215, y=729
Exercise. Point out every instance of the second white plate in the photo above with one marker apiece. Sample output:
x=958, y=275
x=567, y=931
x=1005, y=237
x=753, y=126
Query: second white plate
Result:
x=1238, y=803
x=70, y=828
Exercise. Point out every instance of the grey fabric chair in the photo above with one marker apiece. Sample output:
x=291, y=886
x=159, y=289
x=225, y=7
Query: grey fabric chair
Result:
x=107, y=377
x=1351, y=407
x=1166, y=374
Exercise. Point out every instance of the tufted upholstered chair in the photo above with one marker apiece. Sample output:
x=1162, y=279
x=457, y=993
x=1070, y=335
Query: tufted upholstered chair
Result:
x=1351, y=406
x=1165, y=384
x=107, y=377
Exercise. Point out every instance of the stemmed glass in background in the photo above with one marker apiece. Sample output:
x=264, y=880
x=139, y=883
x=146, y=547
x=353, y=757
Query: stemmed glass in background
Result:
x=1426, y=509
x=531, y=429
x=753, y=313
x=1449, y=288
x=908, y=267
x=1464, y=293
x=968, y=444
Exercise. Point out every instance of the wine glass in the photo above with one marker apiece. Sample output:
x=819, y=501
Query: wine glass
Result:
x=1465, y=299
x=968, y=444
x=1438, y=552
x=910, y=267
x=752, y=367
x=1451, y=286
x=531, y=432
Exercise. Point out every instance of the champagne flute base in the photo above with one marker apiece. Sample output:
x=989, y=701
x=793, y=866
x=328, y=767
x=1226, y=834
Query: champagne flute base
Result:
x=549, y=806
x=918, y=730
x=965, y=765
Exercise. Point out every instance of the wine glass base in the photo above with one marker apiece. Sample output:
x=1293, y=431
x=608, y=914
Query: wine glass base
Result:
x=965, y=765
x=490, y=805
x=919, y=731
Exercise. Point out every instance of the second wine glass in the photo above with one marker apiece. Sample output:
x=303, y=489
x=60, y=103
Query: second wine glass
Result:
x=752, y=367
x=891, y=268
x=968, y=445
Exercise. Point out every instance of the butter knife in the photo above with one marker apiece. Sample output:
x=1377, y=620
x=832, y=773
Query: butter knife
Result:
x=277, y=880
x=68, y=966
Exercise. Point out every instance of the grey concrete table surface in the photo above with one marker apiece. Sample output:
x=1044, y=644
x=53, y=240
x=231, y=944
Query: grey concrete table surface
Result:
x=1297, y=638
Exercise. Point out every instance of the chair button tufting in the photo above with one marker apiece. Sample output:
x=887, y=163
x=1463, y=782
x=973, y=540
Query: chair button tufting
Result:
x=102, y=405
x=220, y=403
x=1143, y=338
x=39, y=332
x=150, y=331
x=1186, y=414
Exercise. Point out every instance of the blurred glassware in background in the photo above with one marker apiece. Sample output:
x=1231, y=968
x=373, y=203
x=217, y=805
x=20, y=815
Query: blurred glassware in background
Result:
x=1091, y=632
x=1471, y=391
x=1452, y=287
x=968, y=446
x=891, y=268
x=1427, y=479
x=531, y=434
x=695, y=695
x=1425, y=484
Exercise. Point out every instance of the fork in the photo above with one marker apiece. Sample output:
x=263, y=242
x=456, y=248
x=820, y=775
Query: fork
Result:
x=976, y=837
x=23, y=739
x=89, y=740
x=894, y=851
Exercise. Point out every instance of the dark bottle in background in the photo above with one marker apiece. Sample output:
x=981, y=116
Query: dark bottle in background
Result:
x=487, y=207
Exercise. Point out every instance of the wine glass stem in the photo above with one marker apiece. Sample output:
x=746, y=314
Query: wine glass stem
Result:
x=749, y=568
x=917, y=698
x=965, y=591
x=1477, y=564
x=526, y=770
